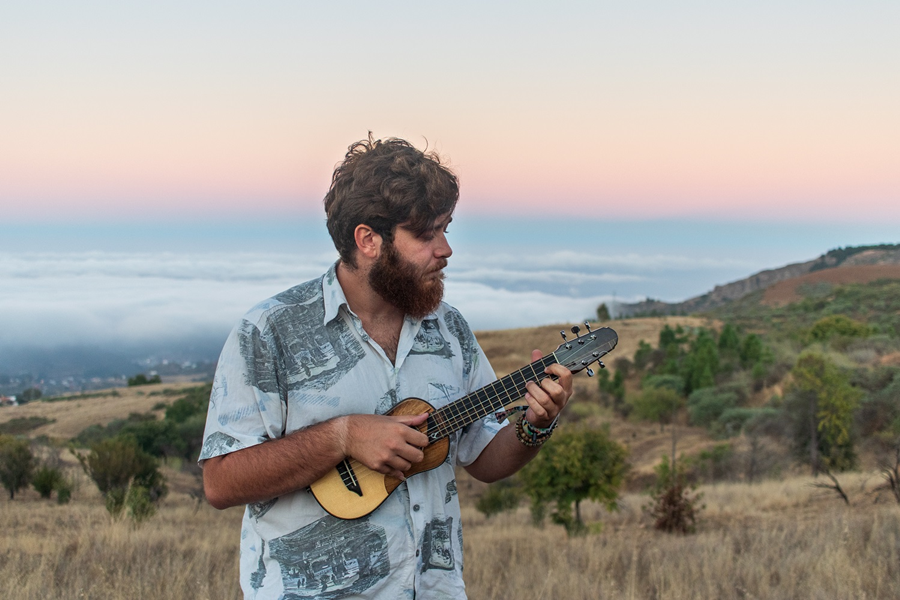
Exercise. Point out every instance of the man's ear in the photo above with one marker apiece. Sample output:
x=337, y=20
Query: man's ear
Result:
x=368, y=242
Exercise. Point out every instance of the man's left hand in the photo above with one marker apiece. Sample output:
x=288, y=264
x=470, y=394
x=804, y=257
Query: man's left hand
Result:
x=547, y=399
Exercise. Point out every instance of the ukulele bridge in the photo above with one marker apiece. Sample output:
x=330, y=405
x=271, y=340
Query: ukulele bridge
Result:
x=349, y=477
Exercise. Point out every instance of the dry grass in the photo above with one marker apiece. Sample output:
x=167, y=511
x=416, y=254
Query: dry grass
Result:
x=510, y=349
x=72, y=416
x=773, y=540
x=77, y=551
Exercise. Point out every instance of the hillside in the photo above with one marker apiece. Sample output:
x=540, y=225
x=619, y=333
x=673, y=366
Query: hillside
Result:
x=860, y=260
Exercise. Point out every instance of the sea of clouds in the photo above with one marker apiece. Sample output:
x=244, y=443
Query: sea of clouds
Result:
x=108, y=298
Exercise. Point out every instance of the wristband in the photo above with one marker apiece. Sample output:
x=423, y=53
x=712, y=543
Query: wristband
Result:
x=531, y=436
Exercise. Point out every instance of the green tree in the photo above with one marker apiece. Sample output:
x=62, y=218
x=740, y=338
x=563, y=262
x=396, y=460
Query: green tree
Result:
x=603, y=313
x=29, y=395
x=642, y=355
x=822, y=402
x=729, y=342
x=657, y=404
x=16, y=464
x=667, y=337
x=701, y=364
x=575, y=466
x=141, y=379
x=751, y=350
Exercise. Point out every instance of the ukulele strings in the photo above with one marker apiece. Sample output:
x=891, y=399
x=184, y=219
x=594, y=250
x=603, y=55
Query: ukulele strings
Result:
x=482, y=402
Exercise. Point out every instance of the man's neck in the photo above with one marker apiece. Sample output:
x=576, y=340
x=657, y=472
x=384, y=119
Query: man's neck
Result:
x=382, y=320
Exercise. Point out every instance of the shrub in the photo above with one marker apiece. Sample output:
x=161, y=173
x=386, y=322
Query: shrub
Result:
x=64, y=491
x=140, y=504
x=499, y=497
x=832, y=326
x=117, y=464
x=46, y=479
x=672, y=382
x=674, y=507
x=194, y=402
x=706, y=405
x=22, y=425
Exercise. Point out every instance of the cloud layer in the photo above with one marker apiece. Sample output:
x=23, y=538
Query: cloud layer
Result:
x=130, y=298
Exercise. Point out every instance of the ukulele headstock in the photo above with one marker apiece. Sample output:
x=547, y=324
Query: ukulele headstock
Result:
x=588, y=347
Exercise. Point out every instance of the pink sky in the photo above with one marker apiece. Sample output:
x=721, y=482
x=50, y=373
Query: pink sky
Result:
x=771, y=112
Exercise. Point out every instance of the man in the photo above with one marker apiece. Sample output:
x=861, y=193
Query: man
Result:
x=305, y=380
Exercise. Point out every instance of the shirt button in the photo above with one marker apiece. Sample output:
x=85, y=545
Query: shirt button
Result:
x=416, y=507
x=417, y=552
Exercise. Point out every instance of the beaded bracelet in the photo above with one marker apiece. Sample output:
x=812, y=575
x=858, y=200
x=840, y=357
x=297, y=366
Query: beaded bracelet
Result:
x=529, y=428
x=531, y=436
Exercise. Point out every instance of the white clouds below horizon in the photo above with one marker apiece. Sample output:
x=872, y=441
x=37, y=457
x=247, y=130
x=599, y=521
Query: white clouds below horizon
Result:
x=57, y=299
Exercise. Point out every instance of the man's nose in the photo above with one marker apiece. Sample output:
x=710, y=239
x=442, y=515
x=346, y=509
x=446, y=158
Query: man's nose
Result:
x=443, y=249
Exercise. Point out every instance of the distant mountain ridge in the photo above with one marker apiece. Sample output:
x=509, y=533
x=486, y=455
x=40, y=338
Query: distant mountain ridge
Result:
x=882, y=254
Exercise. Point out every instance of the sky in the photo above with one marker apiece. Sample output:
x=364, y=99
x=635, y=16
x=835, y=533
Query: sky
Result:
x=157, y=157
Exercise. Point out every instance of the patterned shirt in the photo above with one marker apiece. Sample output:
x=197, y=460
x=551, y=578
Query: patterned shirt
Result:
x=303, y=357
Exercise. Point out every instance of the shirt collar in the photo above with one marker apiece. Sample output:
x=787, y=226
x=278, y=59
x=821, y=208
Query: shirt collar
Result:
x=333, y=294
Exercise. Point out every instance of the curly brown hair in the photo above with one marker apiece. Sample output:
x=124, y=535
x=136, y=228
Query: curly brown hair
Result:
x=385, y=183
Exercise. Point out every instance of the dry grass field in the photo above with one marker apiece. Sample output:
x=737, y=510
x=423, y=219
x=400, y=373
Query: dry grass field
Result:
x=779, y=539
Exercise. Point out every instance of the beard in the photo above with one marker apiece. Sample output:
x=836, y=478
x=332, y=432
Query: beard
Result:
x=399, y=282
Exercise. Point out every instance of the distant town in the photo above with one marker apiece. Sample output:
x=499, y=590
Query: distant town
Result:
x=21, y=388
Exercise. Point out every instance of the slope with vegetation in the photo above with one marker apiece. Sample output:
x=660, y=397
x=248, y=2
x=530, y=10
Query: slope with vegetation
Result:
x=866, y=263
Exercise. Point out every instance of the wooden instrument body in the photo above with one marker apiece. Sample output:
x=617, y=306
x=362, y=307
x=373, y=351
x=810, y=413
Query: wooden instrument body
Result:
x=332, y=493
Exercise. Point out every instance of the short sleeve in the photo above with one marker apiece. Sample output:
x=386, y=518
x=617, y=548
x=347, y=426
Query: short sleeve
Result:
x=247, y=406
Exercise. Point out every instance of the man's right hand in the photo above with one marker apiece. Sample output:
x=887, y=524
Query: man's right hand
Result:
x=387, y=444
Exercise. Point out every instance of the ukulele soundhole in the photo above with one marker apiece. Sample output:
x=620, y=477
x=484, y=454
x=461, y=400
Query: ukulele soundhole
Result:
x=349, y=478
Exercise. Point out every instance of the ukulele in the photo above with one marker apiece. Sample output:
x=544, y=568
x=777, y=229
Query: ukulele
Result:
x=351, y=490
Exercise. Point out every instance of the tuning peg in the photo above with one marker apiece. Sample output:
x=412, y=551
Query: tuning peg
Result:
x=575, y=329
x=590, y=372
x=588, y=325
x=600, y=364
x=563, y=334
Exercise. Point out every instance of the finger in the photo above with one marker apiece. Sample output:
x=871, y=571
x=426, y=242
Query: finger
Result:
x=398, y=464
x=538, y=402
x=412, y=420
x=555, y=392
x=536, y=355
x=414, y=437
x=411, y=454
x=563, y=378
